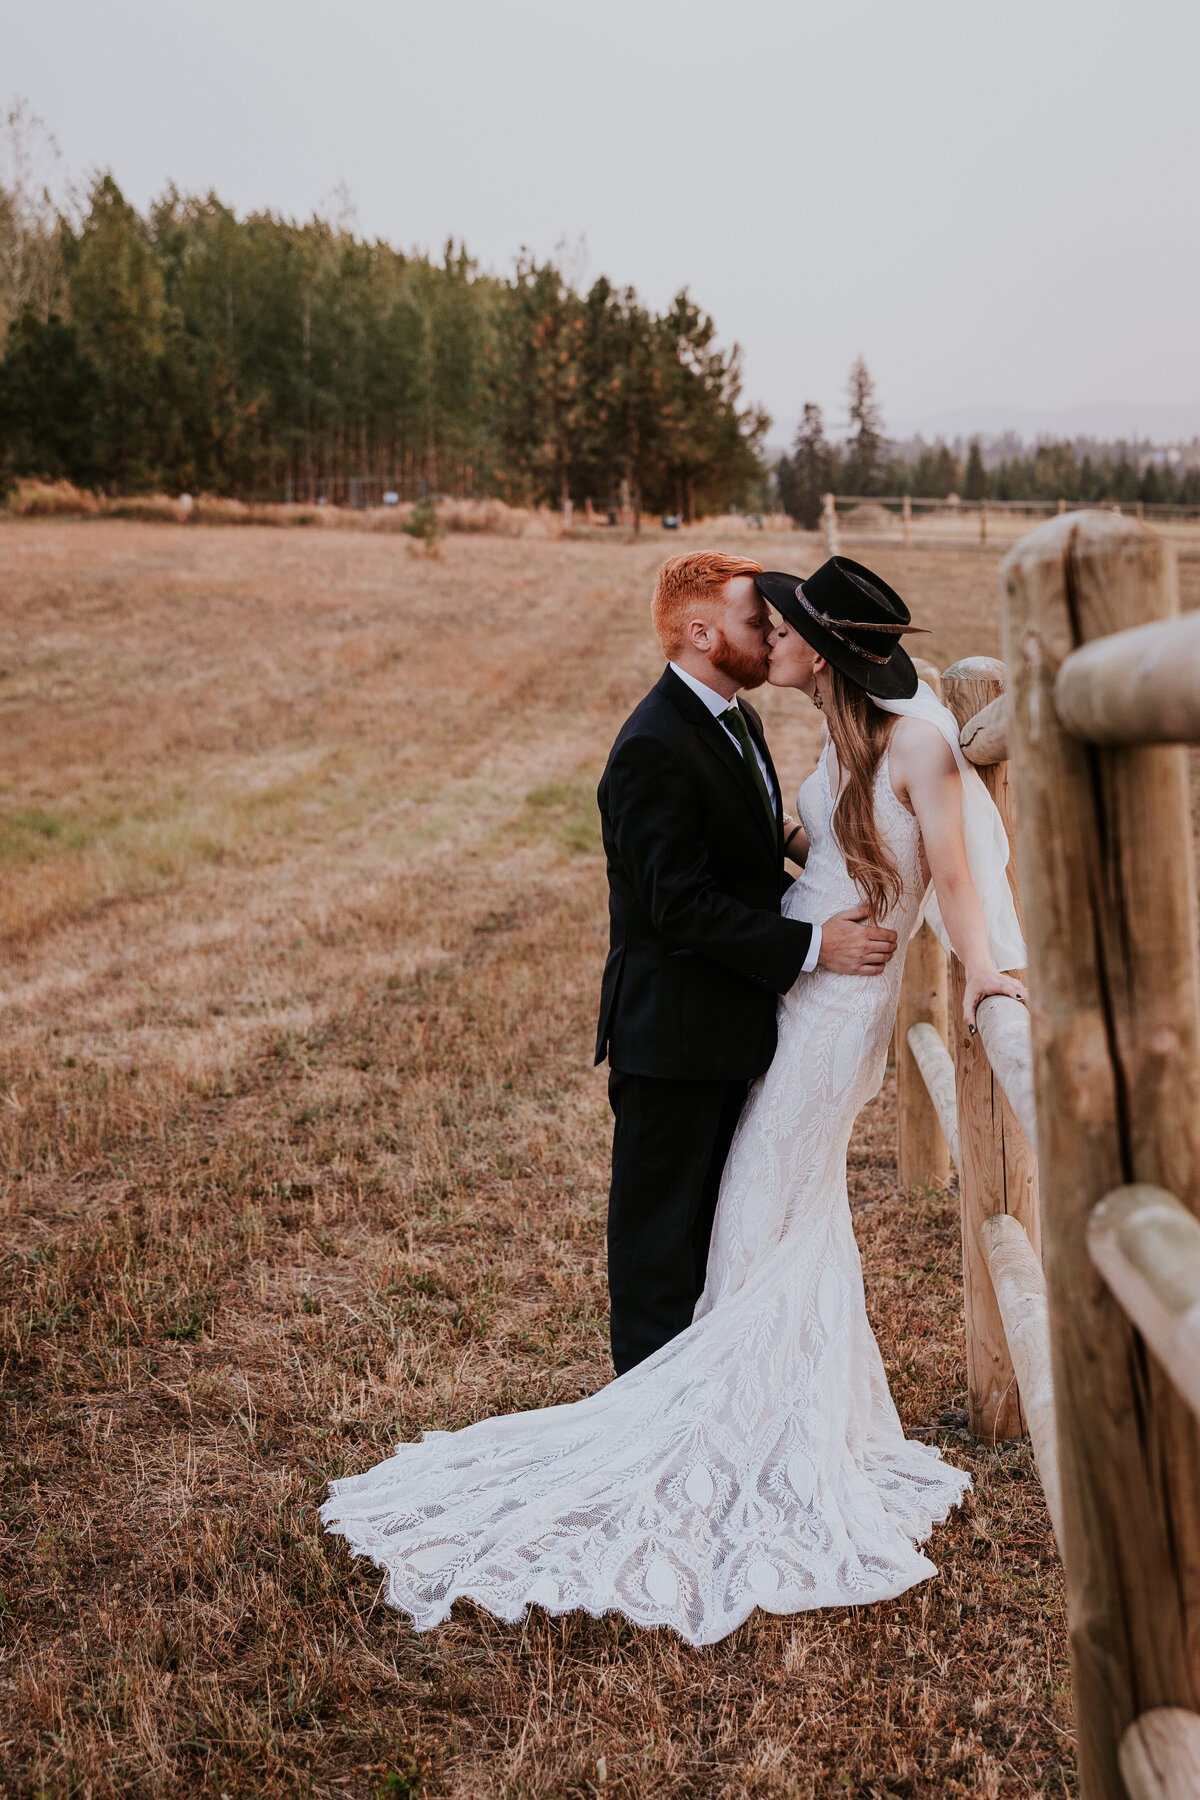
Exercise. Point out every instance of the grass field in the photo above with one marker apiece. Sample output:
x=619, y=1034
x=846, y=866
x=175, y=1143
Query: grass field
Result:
x=303, y=911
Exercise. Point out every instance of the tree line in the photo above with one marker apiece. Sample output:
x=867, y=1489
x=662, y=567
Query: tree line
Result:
x=867, y=464
x=190, y=350
x=194, y=351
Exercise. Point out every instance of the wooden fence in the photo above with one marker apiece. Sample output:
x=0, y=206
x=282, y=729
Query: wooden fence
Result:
x=1100, y=1360
x=904, y=509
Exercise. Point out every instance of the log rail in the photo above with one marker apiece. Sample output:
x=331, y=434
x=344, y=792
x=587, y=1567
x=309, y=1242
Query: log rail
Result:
x=981, y=1099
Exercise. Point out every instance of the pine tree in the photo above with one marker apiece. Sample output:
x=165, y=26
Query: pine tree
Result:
x=976, y=484
x=706, y=452
x=47, y=403
x=947, y=474
x=806, y=478
x=866, y=443
x=622, y=415
x=117, y=308
x=936, y=473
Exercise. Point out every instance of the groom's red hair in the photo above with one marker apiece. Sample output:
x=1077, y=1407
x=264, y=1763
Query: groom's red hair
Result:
x=696, y=579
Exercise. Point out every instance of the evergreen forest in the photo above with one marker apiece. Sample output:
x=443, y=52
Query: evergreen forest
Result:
x=194, y=351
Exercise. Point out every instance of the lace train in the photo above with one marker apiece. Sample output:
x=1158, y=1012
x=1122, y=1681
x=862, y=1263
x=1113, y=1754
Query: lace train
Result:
x=757, y=1460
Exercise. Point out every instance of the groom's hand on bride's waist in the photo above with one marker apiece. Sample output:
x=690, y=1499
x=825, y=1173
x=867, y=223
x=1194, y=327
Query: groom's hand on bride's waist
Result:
x=851, y=945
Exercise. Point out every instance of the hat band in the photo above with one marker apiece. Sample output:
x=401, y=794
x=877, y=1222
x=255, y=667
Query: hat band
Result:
x=831, y=626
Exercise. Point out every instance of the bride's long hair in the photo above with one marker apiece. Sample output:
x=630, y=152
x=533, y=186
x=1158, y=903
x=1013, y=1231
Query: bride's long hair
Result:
x=860, y=730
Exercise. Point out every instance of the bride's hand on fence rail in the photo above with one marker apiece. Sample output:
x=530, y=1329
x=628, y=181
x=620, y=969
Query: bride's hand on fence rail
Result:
x=982, y=982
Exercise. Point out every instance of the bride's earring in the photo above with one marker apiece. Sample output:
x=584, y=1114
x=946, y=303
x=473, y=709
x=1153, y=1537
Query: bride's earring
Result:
x=817, y=700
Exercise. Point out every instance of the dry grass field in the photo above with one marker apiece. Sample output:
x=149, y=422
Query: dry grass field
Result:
x=303, y=916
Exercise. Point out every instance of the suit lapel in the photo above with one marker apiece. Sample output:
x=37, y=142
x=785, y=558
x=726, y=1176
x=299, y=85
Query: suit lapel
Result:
x=718, y=741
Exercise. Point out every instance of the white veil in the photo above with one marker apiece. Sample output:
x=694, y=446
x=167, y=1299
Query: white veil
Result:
x=987, y=842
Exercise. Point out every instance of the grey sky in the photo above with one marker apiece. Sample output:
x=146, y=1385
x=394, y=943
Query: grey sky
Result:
x=993, y=203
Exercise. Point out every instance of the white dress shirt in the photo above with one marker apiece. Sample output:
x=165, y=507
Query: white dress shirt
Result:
x=718, y=704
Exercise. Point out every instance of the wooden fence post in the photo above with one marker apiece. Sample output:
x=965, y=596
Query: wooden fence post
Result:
x=906, y=518
x=829, y=522
x=922, y=1153
x=1106, y=849
x=997, y=1167
x=626, y=514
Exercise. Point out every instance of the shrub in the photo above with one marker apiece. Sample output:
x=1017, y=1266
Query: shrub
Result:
x=423, y=524
x=51, y=499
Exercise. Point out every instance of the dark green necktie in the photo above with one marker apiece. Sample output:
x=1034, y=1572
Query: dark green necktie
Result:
x=735, y=720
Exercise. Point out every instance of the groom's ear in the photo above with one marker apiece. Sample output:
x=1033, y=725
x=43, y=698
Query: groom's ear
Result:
x=699, y=633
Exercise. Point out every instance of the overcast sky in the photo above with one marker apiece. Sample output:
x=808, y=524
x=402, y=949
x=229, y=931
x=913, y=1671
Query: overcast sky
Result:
x=994, y=204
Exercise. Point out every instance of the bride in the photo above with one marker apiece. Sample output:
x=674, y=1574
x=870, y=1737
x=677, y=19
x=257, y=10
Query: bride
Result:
x=757, y=1459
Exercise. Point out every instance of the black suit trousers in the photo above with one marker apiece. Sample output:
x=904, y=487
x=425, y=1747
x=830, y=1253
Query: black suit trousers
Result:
x=670, y=1142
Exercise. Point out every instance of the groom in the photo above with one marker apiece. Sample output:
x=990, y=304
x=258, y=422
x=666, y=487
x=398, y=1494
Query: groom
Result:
x=692, y=819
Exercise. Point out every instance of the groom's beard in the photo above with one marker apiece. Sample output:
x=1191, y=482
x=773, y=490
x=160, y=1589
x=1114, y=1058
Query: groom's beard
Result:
x=747, y=670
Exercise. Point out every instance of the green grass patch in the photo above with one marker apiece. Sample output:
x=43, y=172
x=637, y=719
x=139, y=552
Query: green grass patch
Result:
x=29, y=833
x=569, y=812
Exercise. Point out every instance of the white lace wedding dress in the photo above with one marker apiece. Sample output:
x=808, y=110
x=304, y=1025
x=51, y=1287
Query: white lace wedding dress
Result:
x=757, y=1459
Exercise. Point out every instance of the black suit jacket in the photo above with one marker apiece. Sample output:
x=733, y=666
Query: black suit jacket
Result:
x=698, y=949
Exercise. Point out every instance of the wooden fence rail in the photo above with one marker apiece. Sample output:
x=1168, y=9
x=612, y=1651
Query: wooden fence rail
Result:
x=997, y=1167
x=1135, y=687
x=1003, y=1237
x=1106, y=681
x=947, y=506
x=984, y=738
x=1159, y=1755
x=1147, y=1247
x=1003, y=1025
x=936, y=1070
x=1020, y=1288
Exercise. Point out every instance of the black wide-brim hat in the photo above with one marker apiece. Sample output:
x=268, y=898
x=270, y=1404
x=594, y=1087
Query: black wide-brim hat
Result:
x=853, y=619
